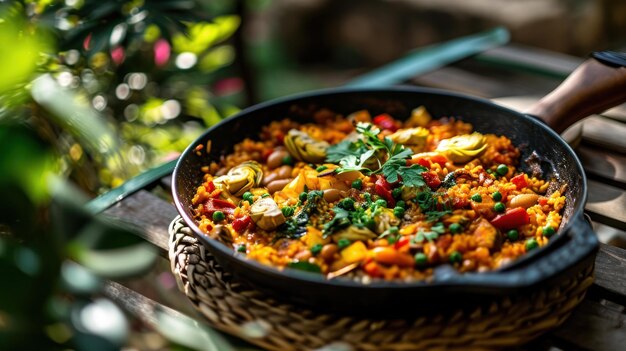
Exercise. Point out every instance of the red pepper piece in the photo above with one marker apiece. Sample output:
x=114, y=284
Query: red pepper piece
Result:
x=385, y=121
x=513, y=218
x=432, y=179
x=241, y=224
x=372, y=269
x=212, y=205
x=210, y=187
x=383, y=189
x=519, y=181
x=403, y=241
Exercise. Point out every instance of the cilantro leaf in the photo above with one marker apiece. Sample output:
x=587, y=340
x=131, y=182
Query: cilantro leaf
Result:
x=340, y=221
x=412, y=176
x=337, y=152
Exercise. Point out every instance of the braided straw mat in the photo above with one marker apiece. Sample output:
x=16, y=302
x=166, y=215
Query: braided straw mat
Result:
x=254, y=316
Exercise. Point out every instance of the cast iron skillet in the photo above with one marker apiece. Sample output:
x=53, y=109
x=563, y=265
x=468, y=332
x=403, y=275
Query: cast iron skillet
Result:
x=573, y=248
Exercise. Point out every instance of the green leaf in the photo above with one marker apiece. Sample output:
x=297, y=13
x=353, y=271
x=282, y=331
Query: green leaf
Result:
x=190, y=333
x=339, y=221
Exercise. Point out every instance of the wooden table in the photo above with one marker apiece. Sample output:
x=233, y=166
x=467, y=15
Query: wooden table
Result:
x=599, y=323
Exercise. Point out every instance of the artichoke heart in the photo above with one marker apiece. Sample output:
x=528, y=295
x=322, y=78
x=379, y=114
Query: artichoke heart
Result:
x=419, y=117
x=266, y=214
x=462, y=148
x=354, y=233
x=241, y=178
x=305, y=148
x=411, y=136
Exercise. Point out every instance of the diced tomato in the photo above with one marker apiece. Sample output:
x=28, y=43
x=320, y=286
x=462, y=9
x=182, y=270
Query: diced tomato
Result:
x=210, y=187
x=428, y=159
x=383, y=189
x=459, y=203
x=385, y=121
x=519, y=181
x=432, y=179
x=212, y=205
x=372, y=269
x=280, y=138
x=403, y=241
x=512, y=218
x=543, y=201
x=241, y=224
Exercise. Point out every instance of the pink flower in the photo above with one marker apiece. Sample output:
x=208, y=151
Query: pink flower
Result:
x=162, y=51
x=118, y=55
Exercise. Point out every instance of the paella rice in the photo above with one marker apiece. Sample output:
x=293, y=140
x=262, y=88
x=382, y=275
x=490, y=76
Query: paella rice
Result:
x=373, y=197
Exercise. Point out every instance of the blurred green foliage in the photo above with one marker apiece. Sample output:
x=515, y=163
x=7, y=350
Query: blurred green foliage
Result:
x=91, y=93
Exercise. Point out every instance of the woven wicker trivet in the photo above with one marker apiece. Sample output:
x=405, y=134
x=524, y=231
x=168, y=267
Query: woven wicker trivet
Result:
x=238, y=310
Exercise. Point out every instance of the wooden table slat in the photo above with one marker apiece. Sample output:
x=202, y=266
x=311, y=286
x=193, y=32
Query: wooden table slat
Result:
x=606, y=204
x=605, y=166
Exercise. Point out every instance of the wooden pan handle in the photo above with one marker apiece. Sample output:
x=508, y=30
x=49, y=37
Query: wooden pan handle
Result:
x=592, y=88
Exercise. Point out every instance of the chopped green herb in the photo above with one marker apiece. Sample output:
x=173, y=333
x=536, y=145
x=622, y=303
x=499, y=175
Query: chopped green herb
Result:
x=241, y=248
x=321, y=168
x=316, y=249
x=371, y=155
x=305, y=266
x=265, y=195
x=288, y=211
x=343, y=243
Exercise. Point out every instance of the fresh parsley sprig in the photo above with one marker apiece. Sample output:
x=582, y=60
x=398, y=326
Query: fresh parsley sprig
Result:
x=371, y=155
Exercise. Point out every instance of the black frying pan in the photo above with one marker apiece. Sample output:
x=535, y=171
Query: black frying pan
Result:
x=573, y=248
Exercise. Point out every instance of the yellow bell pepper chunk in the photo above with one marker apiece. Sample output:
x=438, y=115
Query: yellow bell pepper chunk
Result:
x=356, y=252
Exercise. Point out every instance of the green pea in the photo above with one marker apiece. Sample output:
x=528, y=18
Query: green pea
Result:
x=531, y=244
x=401, y=204
x=321, y=168
x=496, y=196
x=392, y=239
x=455, y=257
x=499, y=207
x=357, y=184
x=381, y=203
x=420, y=259
x=455, y=228
x=398, y=211
x=502, y=170
x=343, y=243
x=396, y=193
x=241, y=248
x=512, y=234
x=316, y=249
x=303, y=195
x=248, y=197
x=548, y=231
x=477, y=198
x=287, y=160
x=218, y=216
